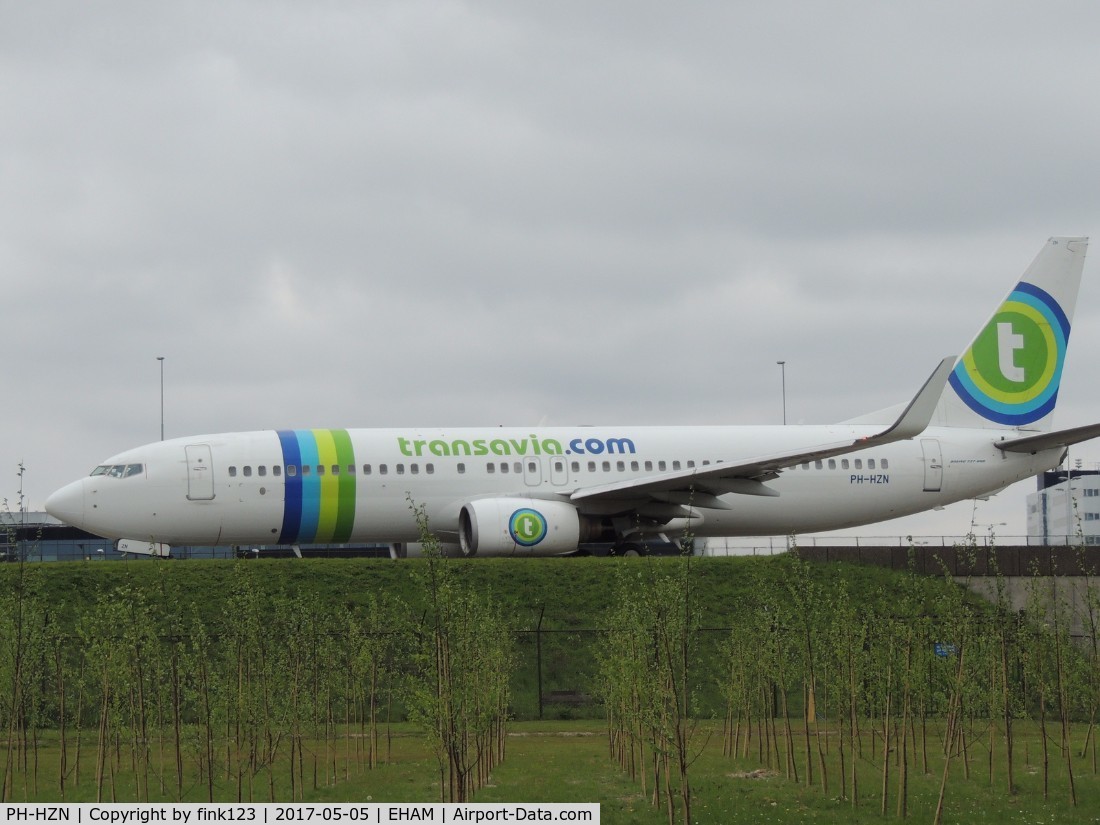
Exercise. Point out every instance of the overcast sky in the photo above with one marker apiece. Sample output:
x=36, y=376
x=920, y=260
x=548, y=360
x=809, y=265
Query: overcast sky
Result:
x=335, y=214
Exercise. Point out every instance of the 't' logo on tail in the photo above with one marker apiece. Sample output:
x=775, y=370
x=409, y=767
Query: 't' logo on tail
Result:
x=1007, y=344
x=1011, y=373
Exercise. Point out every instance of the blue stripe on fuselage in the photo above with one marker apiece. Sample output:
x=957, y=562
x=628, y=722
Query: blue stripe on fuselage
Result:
x=311, y=485
x=292, y=485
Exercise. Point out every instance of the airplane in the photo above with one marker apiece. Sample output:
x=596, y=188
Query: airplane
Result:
x=978, y=424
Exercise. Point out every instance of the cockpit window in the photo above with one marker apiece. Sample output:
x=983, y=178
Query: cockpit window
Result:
x=119, y=470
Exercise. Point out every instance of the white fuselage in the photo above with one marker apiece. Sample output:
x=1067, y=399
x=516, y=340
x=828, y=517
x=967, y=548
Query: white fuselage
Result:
x=344, y=486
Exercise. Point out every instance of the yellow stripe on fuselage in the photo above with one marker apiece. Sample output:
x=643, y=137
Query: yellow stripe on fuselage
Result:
x=330, y=486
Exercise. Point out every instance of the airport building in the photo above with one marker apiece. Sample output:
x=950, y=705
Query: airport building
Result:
x=1065, y=509
x=30, y=536
x=33, y=537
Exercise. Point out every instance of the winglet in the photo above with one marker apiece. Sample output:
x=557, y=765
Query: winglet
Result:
x=915, y=418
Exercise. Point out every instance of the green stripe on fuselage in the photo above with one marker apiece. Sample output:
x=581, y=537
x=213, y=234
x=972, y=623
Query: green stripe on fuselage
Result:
x=345, y=515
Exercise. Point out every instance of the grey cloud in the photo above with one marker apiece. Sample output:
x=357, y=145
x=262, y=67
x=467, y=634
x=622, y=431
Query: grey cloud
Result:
x=493, y=212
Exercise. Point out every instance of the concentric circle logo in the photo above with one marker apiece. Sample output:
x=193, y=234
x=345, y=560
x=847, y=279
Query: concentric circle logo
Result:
x=1011, y=372
x=527, y=527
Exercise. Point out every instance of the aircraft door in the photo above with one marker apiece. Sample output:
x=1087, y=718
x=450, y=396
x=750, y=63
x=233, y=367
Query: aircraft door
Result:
x=532, y=471
x=559, y=470
x=933, y=465
x=200, y=472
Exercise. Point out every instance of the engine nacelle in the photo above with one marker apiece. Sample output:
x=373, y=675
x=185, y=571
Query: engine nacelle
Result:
x=518, y=527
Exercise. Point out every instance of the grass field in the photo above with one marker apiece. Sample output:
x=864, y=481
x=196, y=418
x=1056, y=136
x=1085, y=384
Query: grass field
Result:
x=114, y=635
x=568, y=762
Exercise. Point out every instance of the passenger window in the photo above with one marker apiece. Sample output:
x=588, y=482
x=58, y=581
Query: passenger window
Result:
x=870, y=464
x=607, y=466
x=461, y=468
x=336, y=469
x=675, y=465
x=818, y=465
x=232, y=472
x=504, y=466
x=531, y=467
x=429, y=468
x=576, y=466
x=401, y=469
x=490, y=468
x=706, y=461
x=859, y=463
x=248, y=471
x=261, y=470
x=886, y=464
x=844, y=464
x=276, y=471
x=648, y=466
x=620, y=466
x=366, y=469
x=634, y=466
x=351, y=469
x=691, y=464
x=591, y=466
x=832, y=463
x=292, y=470
x=805, y=465
x=320, y=469
x=661, y=466
x=305, y=469
x=415, y=469
x=383, y=469
x=518, y=467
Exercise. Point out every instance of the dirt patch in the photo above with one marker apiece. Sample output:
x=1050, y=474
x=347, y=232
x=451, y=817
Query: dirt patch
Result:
x=759, y=773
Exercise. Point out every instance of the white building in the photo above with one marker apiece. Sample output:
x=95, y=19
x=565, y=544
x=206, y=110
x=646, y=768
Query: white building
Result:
x=1065, y=509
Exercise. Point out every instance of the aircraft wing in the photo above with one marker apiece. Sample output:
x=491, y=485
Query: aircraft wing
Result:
x=702, y=485
x=1049, y=441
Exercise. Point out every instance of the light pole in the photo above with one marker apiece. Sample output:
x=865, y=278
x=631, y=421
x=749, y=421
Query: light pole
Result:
x=161, y=359
x=783, y=378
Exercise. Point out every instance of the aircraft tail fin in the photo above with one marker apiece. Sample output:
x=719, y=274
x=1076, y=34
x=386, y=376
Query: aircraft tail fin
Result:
x=1010, y=374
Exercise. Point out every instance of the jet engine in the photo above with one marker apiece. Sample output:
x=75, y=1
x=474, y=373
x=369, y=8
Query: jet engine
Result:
x=518, y=527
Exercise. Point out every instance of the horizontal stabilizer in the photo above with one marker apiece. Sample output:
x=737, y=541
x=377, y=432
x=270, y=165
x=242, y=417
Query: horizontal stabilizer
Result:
x=1050, y=441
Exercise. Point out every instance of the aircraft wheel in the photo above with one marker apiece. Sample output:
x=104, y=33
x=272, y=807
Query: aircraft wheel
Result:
x=628, y=550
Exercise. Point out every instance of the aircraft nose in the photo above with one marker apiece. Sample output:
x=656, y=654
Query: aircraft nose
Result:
x=67, y=504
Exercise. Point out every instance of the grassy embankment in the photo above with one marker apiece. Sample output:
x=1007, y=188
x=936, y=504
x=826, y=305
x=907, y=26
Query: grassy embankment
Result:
x=543, y=762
